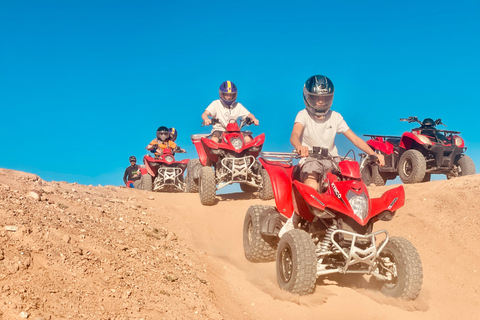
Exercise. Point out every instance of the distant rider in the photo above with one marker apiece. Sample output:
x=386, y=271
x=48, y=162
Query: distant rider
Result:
x=163, y=140
x=226, y=109
x=132, y=174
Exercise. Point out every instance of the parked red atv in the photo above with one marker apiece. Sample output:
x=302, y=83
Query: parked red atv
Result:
x=333, y=230
x=418, y=154
x=164, y=174
x=230, y=161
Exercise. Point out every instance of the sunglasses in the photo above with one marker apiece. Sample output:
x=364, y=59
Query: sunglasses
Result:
x=132, y=161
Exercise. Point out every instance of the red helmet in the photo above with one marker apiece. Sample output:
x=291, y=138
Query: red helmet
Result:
x=228, y=93
x=318, y=95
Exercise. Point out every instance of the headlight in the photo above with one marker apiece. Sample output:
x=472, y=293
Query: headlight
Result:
x=458, y=141
x=169, y=158
x=359, y=204
x=424, y=139
x=237, y=143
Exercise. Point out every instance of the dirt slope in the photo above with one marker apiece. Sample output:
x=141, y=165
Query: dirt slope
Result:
x=69, y=251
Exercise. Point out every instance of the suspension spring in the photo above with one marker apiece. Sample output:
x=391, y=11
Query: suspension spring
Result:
x=327, y=240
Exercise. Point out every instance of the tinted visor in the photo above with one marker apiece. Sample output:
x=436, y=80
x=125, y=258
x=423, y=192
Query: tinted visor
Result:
x=320, y=103
x=228, y=96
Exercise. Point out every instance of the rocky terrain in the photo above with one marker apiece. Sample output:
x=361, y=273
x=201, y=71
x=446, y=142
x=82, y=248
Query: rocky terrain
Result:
x=70, y=251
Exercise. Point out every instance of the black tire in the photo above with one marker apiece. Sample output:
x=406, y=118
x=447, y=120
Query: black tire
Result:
x=208, y=186
x=247, y=188
x=409, y=272
x=367, y=174
x=255, y=246
x=412, y=166
x=266, y=191
x=192, y=185
x=146, y=182
x=378, y=178
x=296, y=262
x=465, y=166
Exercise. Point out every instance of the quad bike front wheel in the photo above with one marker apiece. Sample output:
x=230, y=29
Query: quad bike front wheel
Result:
x=146, y=182
x=192, y=185
x=371, y=174
x=208, y=186
x=266, y=191
x=412, y=166
x=400, y=259
x=465, y=166
x=296, y=262
x=256, y=247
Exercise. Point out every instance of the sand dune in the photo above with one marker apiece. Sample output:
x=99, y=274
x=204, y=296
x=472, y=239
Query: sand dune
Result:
x=88, y=252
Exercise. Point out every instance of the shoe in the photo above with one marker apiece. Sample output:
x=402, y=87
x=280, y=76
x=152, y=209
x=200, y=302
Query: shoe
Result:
x=286, y=227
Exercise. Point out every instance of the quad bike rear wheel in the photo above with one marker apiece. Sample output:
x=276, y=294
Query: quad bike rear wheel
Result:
x=296, y=262
x=465, y=166
x=401, y=259
x=146, y=182
x=266, y=191
x=256, y=247
x=208, y=186
x=412, y=166
x=192, y=183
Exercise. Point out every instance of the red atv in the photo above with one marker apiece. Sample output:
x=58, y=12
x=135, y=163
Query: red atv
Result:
x=418, y=154
x=230, y=161
x=332, y=230
x=164, y=173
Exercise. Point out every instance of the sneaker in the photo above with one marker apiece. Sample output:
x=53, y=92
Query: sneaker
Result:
x=286, y=227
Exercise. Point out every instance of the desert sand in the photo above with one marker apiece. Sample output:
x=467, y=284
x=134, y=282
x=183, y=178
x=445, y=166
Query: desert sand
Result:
x=70, y=251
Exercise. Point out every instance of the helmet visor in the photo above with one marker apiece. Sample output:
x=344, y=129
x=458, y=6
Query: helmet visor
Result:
x=321, y=103
x=228, y=96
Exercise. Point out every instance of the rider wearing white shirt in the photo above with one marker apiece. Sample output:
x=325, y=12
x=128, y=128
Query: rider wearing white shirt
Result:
x=226, y=109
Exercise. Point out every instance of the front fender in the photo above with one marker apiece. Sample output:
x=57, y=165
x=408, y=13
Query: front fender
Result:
x=281, y=179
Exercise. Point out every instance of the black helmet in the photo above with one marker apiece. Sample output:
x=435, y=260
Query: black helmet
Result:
x=428, y=123
x=163, y=133
x=132, y=158
x=318, y=95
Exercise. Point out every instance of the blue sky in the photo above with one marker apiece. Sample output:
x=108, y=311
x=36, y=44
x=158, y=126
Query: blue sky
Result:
x=85, y=84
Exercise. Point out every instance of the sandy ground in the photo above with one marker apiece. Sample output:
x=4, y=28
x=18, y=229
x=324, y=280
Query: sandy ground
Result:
x=70, y=251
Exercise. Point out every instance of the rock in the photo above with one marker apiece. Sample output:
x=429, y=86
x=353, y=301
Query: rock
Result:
x=23, y=315
x=34, y=194
x=11, y=228
x=151, y=198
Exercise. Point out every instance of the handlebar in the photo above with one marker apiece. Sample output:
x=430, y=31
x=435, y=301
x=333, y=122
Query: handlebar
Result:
x=245, y=122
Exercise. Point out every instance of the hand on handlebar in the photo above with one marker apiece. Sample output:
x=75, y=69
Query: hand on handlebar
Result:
x=381, y=160
x=207, y=122
x=302, y=151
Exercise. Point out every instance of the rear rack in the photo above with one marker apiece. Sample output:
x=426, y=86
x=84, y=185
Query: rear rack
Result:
x=380, y=136
x=284, y=157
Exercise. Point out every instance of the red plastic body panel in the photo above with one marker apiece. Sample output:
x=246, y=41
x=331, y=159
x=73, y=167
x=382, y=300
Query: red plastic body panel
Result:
x=152, y=170
x=204, y=145
x=407, y=139
x=380, y=144
x=293, y=195
x=281, y=178
x=350, y=169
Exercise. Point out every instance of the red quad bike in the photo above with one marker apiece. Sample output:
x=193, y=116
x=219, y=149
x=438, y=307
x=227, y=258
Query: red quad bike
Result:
x=230, y=161
x=418, y=154
x=164, y=174
x=333, y=230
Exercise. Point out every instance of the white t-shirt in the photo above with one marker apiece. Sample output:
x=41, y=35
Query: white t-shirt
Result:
x=321, y=133
x=217, y=110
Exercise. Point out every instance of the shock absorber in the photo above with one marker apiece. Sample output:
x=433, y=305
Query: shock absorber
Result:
x=325, y=244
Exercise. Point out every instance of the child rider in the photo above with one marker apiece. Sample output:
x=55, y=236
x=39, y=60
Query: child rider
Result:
x=226, y=109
